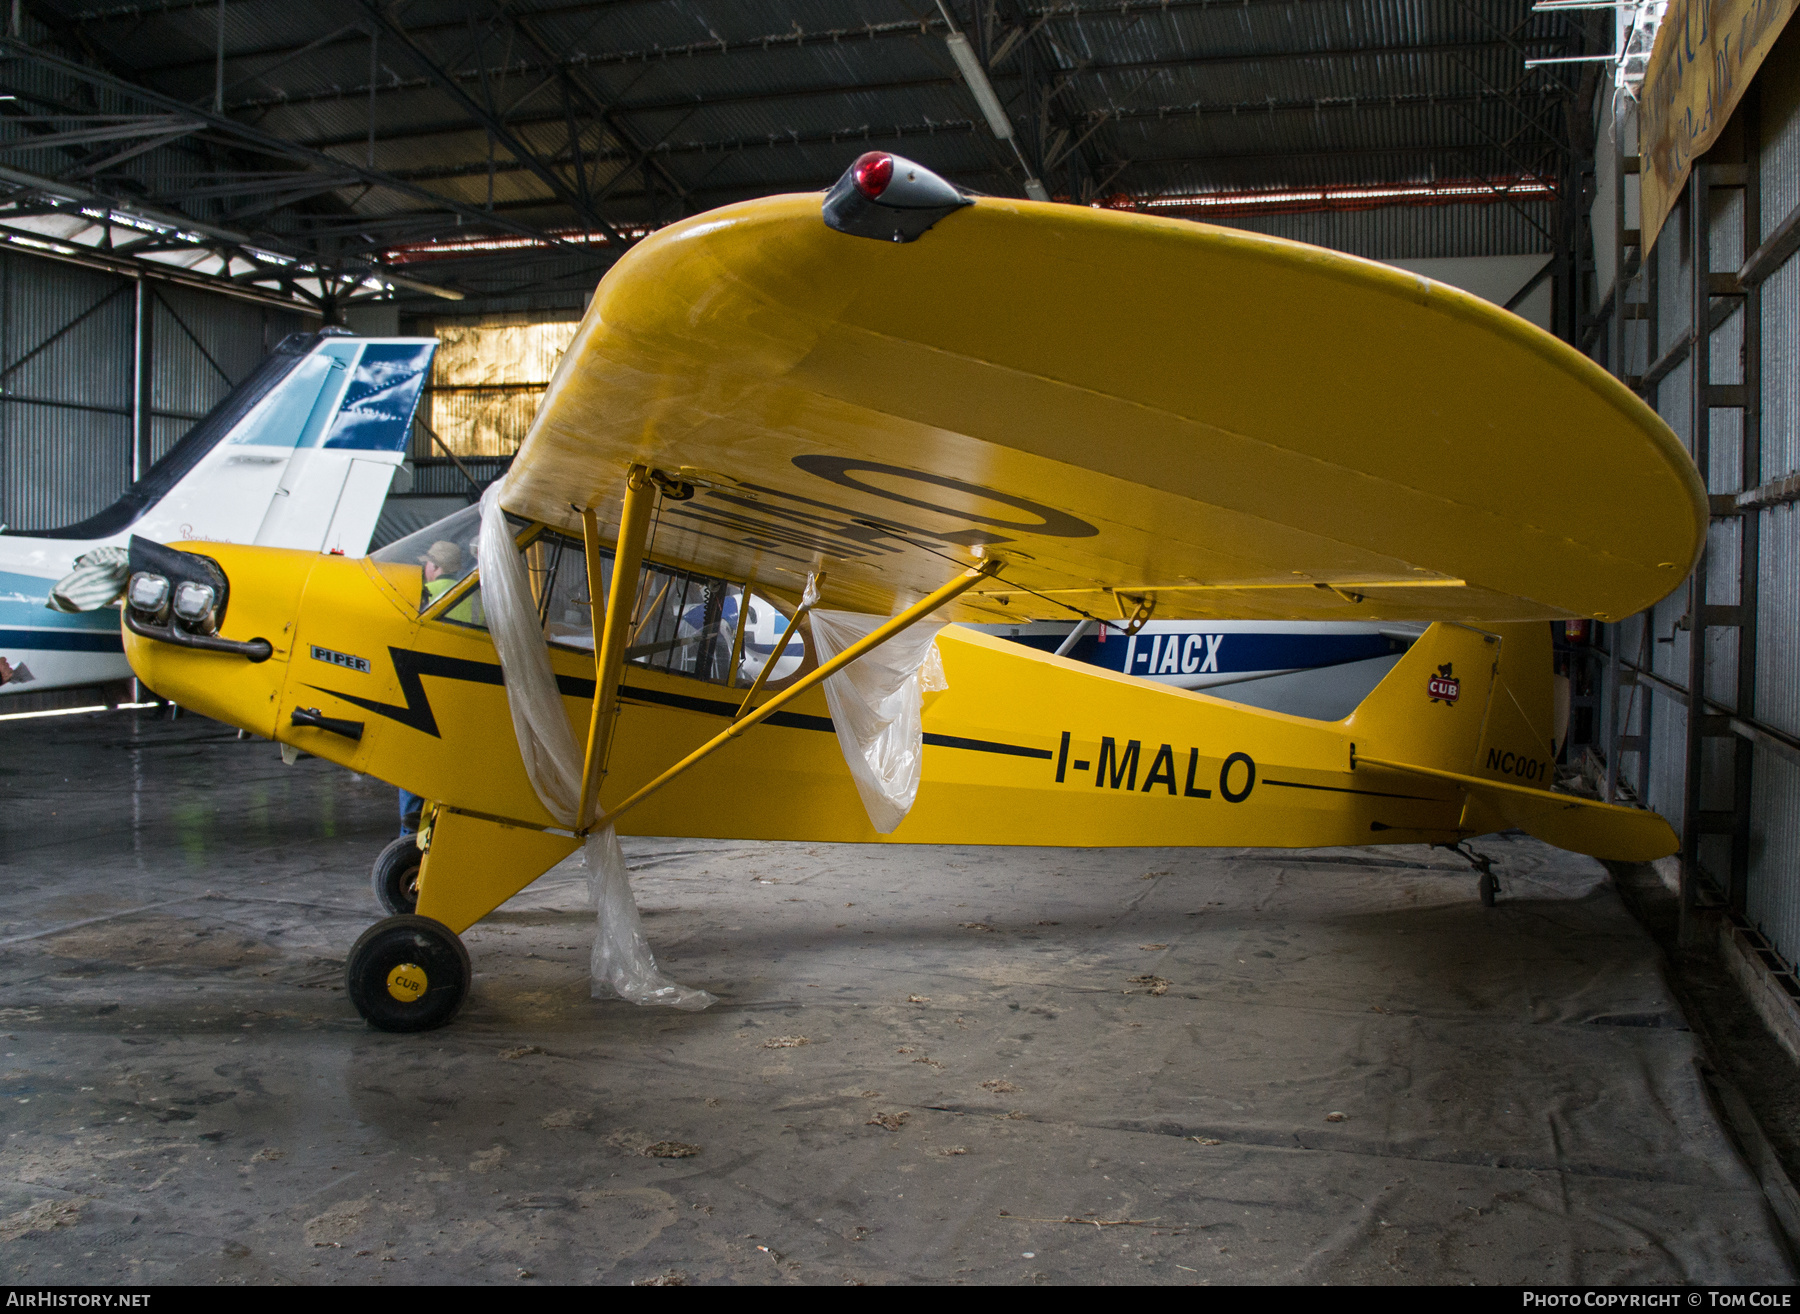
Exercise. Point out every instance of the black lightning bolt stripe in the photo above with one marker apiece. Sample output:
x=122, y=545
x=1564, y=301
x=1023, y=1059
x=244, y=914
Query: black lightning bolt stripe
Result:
x=801, y=721
x=714, y=707
x=1339, y=789
x=988, y=746
x=409, y=665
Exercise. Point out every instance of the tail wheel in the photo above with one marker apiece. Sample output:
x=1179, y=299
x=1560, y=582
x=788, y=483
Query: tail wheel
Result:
x=396, y=876
x=1489, y=887
x=408, y=973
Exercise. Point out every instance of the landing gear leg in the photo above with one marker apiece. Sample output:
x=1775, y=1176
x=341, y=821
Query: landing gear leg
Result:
x=396, y=875
x=1489, y=884
x=408, y=973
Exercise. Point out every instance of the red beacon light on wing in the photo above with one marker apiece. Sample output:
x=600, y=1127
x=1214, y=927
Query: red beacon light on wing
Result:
x=890, y=198
x=872, y=173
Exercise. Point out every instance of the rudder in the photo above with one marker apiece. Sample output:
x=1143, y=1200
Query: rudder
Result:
x=1518, y=742
x=1473, y=701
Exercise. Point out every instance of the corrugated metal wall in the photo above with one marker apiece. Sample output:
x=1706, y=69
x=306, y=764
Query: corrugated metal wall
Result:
x=1768, y=887
x=1415, y=232
x=1781, y=371
x=66, y=368
x=65, y=412
x=1772, y=895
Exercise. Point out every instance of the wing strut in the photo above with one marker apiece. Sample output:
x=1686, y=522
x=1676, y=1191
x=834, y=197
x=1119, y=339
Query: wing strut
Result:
x=609, y=652
x=775, y=653
x=905, y=620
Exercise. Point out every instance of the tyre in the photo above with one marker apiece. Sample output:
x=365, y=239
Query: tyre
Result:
x=396, y=876
x=408, y=973
x=1489, y=887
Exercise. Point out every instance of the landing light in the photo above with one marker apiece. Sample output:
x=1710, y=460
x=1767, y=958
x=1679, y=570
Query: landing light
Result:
x=201, y=594
x=194, y=605
x=148, y=593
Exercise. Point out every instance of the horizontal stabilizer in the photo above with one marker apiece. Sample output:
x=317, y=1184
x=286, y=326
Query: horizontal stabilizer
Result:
x=1581, y=825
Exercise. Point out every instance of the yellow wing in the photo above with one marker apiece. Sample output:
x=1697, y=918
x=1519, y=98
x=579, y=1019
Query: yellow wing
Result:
x=1124, y=406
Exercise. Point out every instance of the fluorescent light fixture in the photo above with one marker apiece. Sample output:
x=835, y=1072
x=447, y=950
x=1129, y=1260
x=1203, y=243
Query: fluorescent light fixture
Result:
x=59, y=711
x=977, y=79
x=96, y=227
x=75, y=711
x=433, y=250
x=1328, y=198
x=976, y=76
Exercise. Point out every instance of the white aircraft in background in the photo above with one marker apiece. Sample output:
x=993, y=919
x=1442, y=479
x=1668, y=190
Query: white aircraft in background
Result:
x=1205, y=654
x=767, y=627
x=1318, y=669
x=298, y=455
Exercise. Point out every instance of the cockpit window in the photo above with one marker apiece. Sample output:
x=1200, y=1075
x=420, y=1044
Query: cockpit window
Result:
x=686, y=624
x=436, y=559
x=558, y=568
x=683, y=622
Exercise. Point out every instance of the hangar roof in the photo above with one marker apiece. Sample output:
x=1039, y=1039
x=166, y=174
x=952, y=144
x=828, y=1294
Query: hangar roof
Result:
x=483, y=147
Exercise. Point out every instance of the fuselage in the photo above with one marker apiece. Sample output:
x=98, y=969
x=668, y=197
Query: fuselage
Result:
x=1022, y=748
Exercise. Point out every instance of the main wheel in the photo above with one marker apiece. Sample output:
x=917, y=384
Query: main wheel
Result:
x=1489, y=887
x=408, y=973
x=396, y=876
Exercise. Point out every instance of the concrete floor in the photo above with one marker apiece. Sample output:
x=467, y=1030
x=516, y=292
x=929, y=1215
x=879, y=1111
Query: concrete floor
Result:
x=1353, y=1072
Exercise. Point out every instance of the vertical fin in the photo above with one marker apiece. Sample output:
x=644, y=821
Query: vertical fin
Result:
x=1431, y=709
x=1476, y=702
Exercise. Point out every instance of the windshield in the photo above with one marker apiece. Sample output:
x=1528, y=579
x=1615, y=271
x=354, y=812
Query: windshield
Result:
x=682, y=622
x=434, y=560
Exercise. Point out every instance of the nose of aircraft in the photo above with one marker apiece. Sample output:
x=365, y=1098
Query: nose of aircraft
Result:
x=210, y=626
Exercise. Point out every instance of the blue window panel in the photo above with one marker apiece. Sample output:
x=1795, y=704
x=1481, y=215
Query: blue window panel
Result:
x=281, y=418
x=377, y=410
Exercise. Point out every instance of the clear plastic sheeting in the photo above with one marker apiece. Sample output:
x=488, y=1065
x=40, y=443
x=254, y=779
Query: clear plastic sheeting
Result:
x=552, y=759
x=97, y=580
x=622, y=965
x=877, y=707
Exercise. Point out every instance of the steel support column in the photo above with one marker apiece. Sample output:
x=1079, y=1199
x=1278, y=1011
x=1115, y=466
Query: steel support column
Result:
x=1615, y=633
x=1707, y=287
x=140, y=380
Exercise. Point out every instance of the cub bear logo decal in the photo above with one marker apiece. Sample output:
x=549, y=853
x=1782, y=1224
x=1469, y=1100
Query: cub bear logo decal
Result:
x=1444, y=687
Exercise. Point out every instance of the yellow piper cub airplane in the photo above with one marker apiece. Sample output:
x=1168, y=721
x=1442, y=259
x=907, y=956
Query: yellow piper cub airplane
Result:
x=979, y=409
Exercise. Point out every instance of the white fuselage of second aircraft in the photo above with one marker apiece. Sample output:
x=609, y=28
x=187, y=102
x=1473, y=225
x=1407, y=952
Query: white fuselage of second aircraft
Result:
x=299, y=455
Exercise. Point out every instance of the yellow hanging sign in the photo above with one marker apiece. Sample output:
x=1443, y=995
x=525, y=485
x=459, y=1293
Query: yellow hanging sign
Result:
x=1705, y=57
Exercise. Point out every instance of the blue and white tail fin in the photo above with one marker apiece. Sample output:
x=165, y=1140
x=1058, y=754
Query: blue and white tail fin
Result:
x=298, y=455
